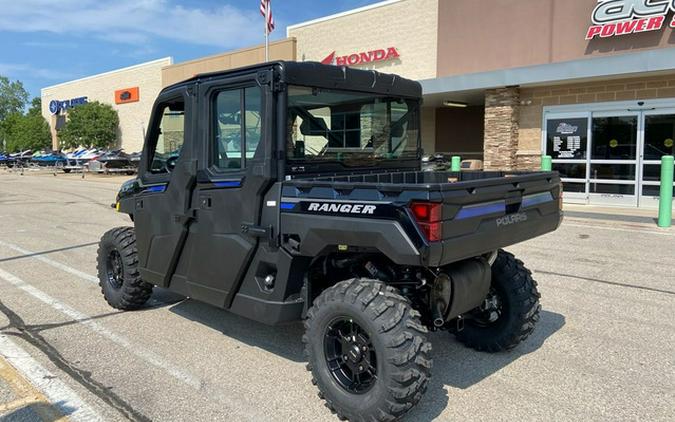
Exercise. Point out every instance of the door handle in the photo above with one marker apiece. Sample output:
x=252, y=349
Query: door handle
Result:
x=261, y=233
x=205, y=202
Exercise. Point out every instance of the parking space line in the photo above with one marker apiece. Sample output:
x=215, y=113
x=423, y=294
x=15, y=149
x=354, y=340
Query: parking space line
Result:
x=81, y=318
x=55, y=264
x=63, y=267
x=55, y=391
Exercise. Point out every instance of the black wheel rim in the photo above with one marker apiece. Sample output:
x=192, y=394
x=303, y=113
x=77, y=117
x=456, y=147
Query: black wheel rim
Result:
x=350, y=355
x=115, y=269
x=492, y=309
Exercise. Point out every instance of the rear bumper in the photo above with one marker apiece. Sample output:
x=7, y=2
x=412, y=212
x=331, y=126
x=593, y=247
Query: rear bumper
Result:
x=484, y=235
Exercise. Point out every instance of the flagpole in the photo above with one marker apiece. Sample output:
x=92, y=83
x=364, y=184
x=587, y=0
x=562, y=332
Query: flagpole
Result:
x=267, y=33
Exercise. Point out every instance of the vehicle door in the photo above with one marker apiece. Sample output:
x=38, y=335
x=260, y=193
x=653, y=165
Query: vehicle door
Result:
x=162, y=211
x=234, y=174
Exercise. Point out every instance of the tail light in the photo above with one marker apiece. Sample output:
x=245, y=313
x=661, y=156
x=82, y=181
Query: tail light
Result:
x=429, y=219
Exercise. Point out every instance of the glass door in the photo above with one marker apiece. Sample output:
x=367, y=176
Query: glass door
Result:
x=659, y=136
x=610, y=157
x=613, y=161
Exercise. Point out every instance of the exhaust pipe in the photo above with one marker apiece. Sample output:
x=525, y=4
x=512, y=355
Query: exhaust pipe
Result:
x=463, y=287
x=440, y=299
x=438, y=312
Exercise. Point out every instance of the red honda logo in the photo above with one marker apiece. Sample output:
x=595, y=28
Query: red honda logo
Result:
x=365, y=57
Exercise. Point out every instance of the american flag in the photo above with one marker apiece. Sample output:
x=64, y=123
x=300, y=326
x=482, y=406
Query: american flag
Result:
x=266, y=11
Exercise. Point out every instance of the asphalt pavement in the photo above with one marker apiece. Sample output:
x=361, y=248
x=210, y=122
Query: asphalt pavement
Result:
x=603, y=350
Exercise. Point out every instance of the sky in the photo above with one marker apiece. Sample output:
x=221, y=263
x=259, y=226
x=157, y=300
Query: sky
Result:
x=46, y=42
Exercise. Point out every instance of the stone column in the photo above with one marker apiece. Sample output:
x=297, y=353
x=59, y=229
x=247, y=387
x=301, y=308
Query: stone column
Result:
x=502, y=107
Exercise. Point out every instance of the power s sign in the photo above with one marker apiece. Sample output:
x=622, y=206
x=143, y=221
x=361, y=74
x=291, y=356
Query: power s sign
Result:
x=612, y=18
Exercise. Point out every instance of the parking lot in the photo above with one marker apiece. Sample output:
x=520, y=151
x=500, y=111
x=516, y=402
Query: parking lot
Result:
x=603, y=349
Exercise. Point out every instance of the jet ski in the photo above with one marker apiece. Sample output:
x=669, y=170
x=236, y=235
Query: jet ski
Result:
x=135, y=159
x=115, y=159
x=21, y=158
x=436, y=162
x=49, y=159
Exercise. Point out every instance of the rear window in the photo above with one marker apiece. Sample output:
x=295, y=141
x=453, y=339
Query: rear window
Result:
x=355, y=129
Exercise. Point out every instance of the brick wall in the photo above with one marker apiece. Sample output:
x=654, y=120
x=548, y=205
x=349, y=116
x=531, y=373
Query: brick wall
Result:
x=533, y=101
x=501, y=128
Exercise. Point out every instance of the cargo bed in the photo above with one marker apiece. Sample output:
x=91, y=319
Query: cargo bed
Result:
x=481, y=211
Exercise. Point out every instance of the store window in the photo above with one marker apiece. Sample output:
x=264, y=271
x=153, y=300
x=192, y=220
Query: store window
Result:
x=169, y=138
x=614, y=138
x=567, y=143
x=659, y=136
x=238, y=127
x=567, y=138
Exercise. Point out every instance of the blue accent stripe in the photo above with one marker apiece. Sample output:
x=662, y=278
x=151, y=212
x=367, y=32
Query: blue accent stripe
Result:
x=287, y=206
x=479, y=210
x=532, y=200
x=228, y=184
x=155, y=189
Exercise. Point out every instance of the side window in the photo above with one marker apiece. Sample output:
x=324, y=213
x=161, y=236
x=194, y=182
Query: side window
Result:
x=252, y=120
x=238, y=127
x=170, y=136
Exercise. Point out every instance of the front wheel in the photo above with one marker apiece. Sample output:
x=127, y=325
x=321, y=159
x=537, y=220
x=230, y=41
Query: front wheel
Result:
x=118, y=274
x=509, y=313
x=367, y=351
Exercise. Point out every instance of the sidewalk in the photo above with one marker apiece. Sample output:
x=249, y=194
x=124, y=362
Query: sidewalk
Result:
x=20, y=401
x=631, y=215
x=627, y=218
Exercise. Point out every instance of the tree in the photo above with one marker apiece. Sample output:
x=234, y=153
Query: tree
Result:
x=22, y=132
x=13, y=97
x=35, y=106
x=90, y=125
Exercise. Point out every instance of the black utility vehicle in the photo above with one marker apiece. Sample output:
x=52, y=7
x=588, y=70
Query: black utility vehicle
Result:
x=293, y=191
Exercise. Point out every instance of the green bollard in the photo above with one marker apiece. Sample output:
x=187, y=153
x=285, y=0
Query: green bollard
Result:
x=546, y=163
x=456, y=163
x=666, y=199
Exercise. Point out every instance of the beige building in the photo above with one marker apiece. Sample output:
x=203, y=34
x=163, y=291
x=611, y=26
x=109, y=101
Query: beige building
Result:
x=280, y=50
x=131, y=91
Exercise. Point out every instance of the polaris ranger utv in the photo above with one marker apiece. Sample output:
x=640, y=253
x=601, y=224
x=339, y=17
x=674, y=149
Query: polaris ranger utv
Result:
x=293, y=191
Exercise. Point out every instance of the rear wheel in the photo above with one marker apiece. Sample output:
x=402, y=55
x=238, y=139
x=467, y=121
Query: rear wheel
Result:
x=510, y=312
x=118, y=274
x=367, y=351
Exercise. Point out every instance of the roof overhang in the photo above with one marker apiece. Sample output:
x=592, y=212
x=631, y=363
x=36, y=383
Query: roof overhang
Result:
x=650, y=62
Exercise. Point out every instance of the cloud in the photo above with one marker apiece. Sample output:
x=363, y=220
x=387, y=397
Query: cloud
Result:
x=23, y=70
x=135, y=21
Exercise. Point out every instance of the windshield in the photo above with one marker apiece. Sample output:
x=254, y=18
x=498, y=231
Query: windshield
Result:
x=351, y=128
